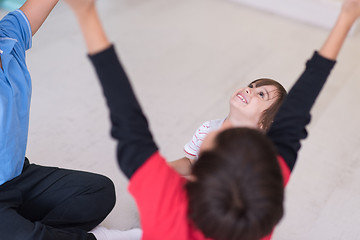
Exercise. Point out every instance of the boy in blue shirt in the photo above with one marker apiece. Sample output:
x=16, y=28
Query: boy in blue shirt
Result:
x=38, y=202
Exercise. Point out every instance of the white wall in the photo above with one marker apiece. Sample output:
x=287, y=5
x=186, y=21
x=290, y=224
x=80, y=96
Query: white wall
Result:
x=321, y=13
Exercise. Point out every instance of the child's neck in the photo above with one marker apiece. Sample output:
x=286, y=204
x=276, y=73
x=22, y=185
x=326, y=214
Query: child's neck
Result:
x=231, y=122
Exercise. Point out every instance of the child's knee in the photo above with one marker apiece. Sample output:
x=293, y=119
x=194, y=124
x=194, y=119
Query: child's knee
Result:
x=107, y=191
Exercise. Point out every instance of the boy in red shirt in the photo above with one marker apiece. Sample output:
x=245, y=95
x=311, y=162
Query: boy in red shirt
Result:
x=236, y=189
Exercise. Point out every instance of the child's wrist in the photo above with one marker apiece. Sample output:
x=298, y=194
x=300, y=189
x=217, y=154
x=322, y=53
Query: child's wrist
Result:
x=346, y=20
x=349, y=14
x=85, y=12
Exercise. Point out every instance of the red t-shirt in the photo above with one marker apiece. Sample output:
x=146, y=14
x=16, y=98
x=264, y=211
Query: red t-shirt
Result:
x=162, y=201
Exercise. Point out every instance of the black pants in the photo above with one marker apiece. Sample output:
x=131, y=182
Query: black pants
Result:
x=52, y=203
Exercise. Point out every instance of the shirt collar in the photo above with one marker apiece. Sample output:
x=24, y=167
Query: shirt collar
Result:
x=7, y=45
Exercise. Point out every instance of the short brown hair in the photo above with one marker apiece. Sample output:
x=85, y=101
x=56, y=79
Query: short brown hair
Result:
x=268, y=115
x=238, y=192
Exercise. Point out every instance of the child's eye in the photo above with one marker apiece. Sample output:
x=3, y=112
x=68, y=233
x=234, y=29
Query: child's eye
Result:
x=261, y=94
x=250, y=86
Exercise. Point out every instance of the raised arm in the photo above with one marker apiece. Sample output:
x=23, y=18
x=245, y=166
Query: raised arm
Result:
x=90, y=24
x=349, y=14
x=290, y=122
x=129, y=125
x=37, y=11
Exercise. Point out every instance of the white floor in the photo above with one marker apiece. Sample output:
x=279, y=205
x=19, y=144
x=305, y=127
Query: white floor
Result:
x=185, y=58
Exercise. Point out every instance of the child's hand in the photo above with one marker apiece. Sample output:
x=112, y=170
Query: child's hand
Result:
x=351, y=8
x=81, y=6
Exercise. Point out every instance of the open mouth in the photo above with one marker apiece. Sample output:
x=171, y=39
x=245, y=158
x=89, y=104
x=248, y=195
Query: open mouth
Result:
x=241, y=98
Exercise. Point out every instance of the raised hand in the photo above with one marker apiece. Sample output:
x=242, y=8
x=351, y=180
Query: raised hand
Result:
x=351, y=8
x=90, y=24
x=349, y=13
x=81, y=6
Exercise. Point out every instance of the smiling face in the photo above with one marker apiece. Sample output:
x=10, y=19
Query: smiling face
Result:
x=247, y=105
x=253, y=107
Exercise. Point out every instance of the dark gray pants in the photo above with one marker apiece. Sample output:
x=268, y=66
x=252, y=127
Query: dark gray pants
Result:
x=48, y=203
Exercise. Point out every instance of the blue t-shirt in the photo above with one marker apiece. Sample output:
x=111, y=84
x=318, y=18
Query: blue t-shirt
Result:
x=15, y=93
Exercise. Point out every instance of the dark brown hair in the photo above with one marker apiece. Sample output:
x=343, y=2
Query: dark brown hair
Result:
x=268, y=115
x=238, y=192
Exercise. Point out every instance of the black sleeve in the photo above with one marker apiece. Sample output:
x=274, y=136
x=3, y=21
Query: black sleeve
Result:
x=128, y=123
x=289, y=124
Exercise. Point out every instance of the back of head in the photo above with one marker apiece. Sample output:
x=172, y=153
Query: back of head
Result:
x=238, y=192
